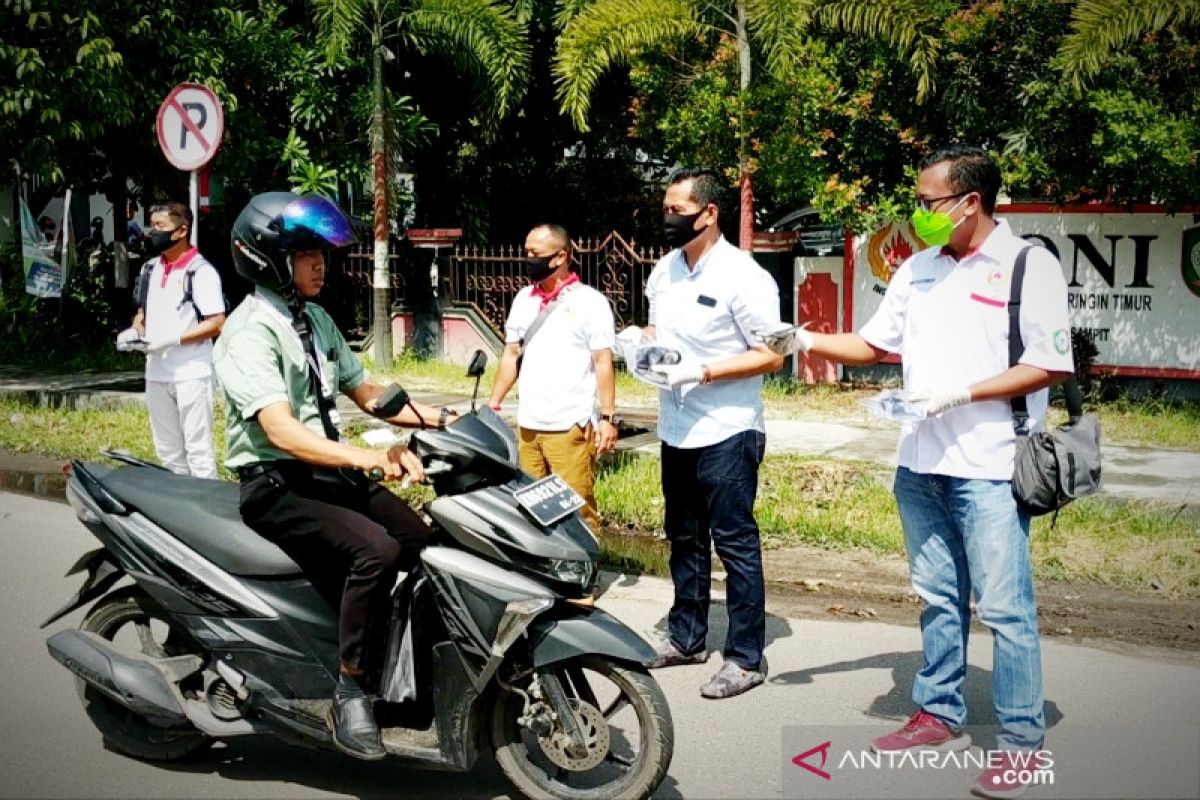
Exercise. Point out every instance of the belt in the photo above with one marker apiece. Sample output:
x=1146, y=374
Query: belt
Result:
x=261, y=468
x=294, y=469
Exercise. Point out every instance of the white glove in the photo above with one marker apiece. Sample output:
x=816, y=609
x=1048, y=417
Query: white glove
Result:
x=632, y=335
x=627, y=344
x=130, y=340
x=678, y=374
x=788, y=340
x=158, y=345
x=936, y=402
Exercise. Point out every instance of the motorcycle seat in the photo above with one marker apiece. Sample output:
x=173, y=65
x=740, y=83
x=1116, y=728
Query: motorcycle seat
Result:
x=203, y=514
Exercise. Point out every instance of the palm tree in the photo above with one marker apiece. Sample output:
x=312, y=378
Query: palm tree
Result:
x=1098, y=27
x=484, y=36
x=599, y=34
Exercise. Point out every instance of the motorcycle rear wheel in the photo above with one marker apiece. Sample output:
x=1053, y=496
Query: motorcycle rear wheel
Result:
x=623, y=695
x=121, y=615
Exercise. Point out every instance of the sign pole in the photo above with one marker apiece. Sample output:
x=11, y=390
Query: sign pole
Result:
x=194, y=202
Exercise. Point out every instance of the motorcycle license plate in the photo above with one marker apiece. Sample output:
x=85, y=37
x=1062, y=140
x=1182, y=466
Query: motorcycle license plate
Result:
x=549, y=499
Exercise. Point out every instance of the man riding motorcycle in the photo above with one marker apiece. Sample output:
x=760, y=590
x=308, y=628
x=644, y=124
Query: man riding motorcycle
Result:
x=280, y=362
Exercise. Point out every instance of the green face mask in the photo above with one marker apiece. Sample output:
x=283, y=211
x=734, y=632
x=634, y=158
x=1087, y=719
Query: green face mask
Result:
x=935, y=227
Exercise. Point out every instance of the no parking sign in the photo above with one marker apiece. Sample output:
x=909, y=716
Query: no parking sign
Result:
x=190, y=125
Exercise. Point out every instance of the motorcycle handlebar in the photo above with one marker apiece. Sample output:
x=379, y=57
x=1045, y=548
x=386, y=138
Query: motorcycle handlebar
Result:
x=436, y=466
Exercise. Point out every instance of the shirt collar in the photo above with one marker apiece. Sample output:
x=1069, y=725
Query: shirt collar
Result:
x=275, y=300
x=721, y=243
x=179, y=263
x=548, y=297
x=994, y=247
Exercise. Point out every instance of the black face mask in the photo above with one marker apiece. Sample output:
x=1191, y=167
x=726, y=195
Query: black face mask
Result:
x=678, y=230
x=160, y=241
x=538, y=267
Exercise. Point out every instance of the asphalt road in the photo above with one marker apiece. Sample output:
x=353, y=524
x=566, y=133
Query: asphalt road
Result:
x=1121, y=725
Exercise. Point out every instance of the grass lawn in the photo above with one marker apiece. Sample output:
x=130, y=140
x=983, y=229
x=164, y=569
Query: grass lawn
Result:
x=849, y=505
x=1142, y=423
x=835, y=504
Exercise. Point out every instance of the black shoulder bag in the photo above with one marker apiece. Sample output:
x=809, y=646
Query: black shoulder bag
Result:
x=1051, y=468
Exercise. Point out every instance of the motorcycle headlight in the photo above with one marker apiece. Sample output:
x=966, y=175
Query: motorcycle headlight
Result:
x=572, y=571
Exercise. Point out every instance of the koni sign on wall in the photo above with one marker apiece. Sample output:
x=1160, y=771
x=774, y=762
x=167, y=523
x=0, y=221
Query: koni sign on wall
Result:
x=1133, y=279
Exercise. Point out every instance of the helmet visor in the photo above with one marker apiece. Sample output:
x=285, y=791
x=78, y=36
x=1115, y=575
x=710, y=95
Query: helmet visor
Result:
x=313, y=222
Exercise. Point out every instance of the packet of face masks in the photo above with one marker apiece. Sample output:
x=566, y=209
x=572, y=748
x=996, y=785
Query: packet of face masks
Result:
x=893, y=405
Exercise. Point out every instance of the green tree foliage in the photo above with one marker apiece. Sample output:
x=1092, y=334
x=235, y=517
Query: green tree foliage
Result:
x=535, y=166
x=1131, y=135
x=839, y=121
x=705, y=57
x=813, y=140
x=1101, y=28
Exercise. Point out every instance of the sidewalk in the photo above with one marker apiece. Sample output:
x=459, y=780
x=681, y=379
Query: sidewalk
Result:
x=1169, y=476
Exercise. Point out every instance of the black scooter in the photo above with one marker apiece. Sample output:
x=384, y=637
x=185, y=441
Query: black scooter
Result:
x=218, y=634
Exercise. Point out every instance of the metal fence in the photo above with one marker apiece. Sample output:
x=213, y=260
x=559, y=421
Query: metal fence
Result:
x=488, y=277
x=352, y=283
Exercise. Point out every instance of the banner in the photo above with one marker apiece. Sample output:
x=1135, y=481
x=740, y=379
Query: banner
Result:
x=43, y=277
x=1133, y=279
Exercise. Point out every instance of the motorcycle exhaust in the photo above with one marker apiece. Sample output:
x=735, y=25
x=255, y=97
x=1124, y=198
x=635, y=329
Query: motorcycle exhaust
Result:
x=137, y=685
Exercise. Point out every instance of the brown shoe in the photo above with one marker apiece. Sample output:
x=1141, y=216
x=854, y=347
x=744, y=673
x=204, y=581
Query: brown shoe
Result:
x=668, y=655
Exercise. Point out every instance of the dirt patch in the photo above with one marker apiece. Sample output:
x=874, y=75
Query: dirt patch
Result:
x=815, y=582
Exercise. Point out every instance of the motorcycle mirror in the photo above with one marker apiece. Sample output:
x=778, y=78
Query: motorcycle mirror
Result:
x=390, y=403
x=475, y=370
x=478, y=362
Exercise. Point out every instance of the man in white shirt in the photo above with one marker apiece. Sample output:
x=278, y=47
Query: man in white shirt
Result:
x=707, y=301
x=946, y=313
x=181, y=310
x=559, y=338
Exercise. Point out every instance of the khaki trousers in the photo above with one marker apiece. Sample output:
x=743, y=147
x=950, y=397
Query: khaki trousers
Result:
x=569, y=454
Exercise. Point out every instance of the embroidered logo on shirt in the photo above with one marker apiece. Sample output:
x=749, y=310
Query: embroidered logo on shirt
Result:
x=996, y=277
x=1062, y=341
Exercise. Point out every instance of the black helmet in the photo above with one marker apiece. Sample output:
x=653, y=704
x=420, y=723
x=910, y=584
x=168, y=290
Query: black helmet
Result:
x=274, y=224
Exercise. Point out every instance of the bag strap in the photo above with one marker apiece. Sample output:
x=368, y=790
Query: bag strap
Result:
x=316, y=382
x=541, y=318
x=1016, y=348
x=188, y=296
x=144, y=283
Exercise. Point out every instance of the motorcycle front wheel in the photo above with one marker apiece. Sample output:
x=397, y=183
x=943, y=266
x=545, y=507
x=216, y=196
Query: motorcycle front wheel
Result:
x=626, y=725
x=121, y=618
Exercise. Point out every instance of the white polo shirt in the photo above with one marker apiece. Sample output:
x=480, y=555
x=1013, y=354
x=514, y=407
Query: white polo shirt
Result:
x=948, y=320
x=708, y=314
x=166, y=317
x=558, y=381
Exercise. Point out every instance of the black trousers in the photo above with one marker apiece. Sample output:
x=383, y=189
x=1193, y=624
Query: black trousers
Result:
x=708, y=498
x=351, y=537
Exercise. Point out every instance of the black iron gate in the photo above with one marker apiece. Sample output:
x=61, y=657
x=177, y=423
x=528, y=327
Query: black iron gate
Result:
x=487, y=278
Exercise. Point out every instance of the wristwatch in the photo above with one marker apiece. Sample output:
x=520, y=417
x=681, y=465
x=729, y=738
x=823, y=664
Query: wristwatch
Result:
x=611, y=419
x=445, y=415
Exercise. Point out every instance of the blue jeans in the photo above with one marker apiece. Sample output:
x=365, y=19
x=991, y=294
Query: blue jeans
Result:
x=965, y=534
x=708, y=499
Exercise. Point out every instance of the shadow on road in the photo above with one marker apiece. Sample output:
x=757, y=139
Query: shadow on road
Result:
x=268, y=759
x=897, y=703
x=718, y=626
x=264, y=758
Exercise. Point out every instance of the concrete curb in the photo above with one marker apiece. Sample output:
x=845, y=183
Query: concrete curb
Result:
x=35, y=475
